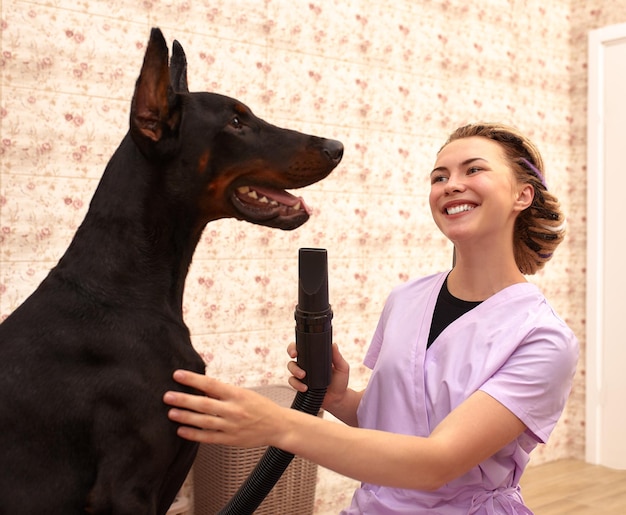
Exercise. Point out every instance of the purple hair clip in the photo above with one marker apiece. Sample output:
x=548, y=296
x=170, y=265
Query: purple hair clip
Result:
x=535, y=170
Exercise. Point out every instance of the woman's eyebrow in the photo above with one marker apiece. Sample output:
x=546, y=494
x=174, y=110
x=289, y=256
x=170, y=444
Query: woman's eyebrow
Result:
x=464, y=163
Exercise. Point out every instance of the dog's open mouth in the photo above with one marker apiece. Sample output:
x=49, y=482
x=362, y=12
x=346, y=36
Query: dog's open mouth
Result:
x=270, y=207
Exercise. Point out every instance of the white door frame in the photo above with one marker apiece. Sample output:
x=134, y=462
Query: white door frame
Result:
x=604, y=382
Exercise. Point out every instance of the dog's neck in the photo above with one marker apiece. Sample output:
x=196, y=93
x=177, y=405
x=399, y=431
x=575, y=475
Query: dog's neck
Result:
x=129, y=244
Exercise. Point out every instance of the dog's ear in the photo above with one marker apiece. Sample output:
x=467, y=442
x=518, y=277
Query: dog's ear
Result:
x=178, y=69
x=154, y=110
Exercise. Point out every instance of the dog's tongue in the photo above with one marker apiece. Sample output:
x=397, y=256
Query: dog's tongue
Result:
x=282, y=197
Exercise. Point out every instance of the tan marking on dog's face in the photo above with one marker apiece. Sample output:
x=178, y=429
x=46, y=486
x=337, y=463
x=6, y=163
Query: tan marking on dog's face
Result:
x=203, y=161
x=241, y=109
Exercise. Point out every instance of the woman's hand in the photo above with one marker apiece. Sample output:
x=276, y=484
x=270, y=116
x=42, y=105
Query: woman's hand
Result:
x=339, y=380
x=223, y=414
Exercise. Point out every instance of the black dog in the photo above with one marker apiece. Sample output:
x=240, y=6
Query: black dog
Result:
x=87, y=357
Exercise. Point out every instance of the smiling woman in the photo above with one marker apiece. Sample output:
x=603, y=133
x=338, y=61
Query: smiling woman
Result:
x=471, y=367
x=540, y=228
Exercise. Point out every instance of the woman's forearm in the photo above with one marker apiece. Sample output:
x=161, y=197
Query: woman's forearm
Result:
x=370, y=456
x=472, y=432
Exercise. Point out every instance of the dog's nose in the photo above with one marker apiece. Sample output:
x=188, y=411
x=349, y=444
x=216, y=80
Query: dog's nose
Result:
x=333, y=150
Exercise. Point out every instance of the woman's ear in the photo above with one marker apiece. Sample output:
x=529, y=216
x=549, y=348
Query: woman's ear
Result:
x=525, y=196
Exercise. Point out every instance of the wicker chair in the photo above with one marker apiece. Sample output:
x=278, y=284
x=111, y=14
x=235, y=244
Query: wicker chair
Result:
x=219, y=471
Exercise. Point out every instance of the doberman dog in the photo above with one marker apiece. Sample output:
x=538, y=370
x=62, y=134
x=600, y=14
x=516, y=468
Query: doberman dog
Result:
x=88, y=356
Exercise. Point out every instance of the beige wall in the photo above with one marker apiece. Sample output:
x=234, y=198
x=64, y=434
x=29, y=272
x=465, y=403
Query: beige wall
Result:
x=389, y=78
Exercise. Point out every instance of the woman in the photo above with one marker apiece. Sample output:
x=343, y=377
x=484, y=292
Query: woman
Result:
x=471, y=368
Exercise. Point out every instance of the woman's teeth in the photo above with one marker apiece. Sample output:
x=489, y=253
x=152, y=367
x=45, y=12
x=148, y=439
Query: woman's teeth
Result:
x=459, y=209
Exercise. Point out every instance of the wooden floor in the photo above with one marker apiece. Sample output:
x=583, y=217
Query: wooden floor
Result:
x=574, y=488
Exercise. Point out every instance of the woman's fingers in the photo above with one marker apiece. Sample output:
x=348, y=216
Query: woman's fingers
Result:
x=208, y=385
x=193, y=410
x=201, y=411
x=192, y=418
x=295, y=370
x=297, y=375
x=297, y=384
x=339, y=361
x=220, y=413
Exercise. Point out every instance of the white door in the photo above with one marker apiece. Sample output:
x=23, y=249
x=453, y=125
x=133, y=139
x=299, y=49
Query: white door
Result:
x=606, y=249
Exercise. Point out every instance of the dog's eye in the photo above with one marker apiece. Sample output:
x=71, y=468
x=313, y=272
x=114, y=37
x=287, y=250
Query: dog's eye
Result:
x=236, y=122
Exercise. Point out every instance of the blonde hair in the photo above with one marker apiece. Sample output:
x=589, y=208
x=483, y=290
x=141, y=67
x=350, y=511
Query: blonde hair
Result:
x=540, y=227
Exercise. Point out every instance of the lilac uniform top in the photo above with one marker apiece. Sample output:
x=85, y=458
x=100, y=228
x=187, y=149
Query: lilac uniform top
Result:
x=512, y=346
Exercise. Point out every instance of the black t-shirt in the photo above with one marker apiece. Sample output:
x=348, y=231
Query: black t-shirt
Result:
x=447, y=310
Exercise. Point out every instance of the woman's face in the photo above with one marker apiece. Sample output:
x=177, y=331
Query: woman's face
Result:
x=474, y=195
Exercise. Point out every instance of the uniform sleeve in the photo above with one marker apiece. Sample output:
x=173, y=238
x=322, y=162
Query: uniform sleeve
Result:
x=535, y=381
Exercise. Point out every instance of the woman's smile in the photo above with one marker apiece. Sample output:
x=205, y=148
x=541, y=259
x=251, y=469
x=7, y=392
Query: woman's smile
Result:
x=459, y=208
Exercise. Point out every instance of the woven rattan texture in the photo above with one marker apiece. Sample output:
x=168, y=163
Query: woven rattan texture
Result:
x=219, y=471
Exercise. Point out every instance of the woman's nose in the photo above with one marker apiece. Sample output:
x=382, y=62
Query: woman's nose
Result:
x=454, y=184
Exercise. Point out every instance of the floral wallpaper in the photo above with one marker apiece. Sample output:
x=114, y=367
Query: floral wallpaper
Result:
x=389, y=78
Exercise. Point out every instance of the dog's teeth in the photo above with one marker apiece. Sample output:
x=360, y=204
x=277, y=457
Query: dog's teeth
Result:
x=297, y=207
x=264, y=200
x=243, y=189
x=273, y=203
x=252, y=194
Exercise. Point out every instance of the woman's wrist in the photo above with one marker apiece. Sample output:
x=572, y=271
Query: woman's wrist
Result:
x=345, y=407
